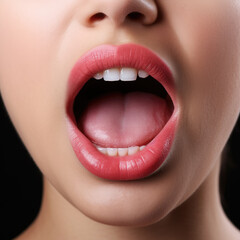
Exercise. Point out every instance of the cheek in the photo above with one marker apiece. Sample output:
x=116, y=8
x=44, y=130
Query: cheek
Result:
x=208, y=36
x=27, y=49
x=208, y=58
x=31, y=85
x=28, y=65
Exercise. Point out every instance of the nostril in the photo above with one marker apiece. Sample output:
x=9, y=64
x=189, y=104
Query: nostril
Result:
x=135, y=16
x=97, y=17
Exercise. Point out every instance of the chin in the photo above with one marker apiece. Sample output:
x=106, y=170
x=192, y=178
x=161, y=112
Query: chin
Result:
x=127, y=214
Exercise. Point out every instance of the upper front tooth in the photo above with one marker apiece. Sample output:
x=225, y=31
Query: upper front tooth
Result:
x=123, y=74
x=128, y=74
x=112, y=74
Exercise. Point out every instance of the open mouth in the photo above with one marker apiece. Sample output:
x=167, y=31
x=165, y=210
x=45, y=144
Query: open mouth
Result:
x=121, y=111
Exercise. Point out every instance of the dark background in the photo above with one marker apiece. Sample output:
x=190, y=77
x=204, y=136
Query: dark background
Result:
x=21, y=188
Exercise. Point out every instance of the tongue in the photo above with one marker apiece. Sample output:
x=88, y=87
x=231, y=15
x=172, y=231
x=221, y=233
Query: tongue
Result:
x=124, y=119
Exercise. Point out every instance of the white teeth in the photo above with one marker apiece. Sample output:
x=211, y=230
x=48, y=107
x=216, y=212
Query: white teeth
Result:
x=142, y=147
x=123, y=74
x=112, y=74
x=128, y=74
x=102, y=150
x=113, y=152
x=142, y=74
x=133, y=150
x=122, y=152
x=98, y=76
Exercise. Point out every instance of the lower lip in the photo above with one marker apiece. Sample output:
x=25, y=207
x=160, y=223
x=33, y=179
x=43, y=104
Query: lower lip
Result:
x=140, y=165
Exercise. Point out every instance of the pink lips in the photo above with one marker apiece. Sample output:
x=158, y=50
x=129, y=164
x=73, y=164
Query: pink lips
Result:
x=150, y=159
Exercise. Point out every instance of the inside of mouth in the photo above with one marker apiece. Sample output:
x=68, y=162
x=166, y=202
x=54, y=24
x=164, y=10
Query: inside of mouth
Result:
x=122, y=114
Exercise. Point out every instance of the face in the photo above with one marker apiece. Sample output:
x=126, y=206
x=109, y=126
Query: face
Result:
x=199, y=40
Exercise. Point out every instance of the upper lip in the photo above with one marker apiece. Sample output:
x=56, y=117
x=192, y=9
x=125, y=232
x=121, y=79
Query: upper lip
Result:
x=151, y=158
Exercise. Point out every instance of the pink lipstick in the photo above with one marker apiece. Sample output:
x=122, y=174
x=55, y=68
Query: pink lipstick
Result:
x=145, y=162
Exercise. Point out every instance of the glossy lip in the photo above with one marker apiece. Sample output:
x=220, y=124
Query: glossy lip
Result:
x=151, y=158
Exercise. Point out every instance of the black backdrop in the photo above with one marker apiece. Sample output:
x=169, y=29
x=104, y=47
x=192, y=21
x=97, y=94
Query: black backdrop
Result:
x=21, y=186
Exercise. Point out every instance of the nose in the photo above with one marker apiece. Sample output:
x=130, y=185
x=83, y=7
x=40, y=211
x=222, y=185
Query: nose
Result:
x=120, y=11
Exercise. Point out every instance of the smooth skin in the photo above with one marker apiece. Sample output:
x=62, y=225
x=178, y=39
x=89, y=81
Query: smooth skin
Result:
x=199, y=39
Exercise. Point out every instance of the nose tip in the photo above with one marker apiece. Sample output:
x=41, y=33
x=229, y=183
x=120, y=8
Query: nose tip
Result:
x=119, y=11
